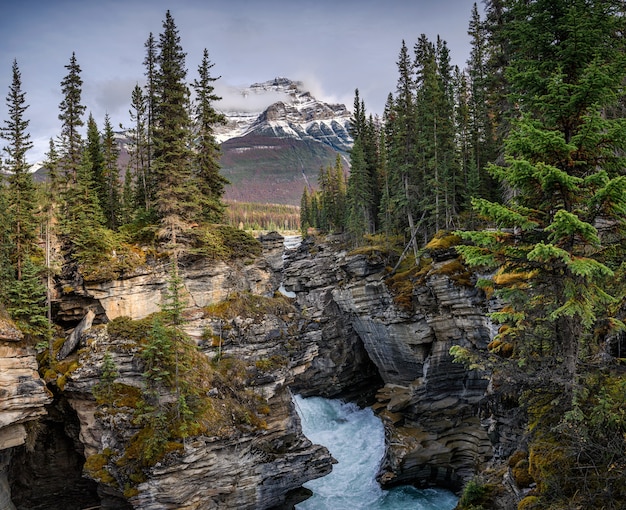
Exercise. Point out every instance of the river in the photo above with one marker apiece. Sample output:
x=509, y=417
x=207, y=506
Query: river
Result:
x=355, y=438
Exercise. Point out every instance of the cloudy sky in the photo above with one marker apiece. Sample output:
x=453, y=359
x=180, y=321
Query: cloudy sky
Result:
x=333, y=46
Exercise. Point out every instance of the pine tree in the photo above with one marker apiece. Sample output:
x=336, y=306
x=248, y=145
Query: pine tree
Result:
x=402, y=140
x=71, y=112
x=20, y=198
x=565, y=162
x=110, y=153
x=206, y=165
x=96, y=156
x=176, y=197
x=482, y=103
x=7, y=274
x=306, y=220
x=151, y=98
x=109, y=373
x=359, y=193
x=139, y=150
x=27, y=301
x=363, y=197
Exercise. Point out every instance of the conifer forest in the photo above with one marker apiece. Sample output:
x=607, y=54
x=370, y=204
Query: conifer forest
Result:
x=516, y=163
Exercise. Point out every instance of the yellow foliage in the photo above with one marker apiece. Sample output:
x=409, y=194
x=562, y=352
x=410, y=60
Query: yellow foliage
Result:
x=529, y=503
x=517, y=279
x=443, y=240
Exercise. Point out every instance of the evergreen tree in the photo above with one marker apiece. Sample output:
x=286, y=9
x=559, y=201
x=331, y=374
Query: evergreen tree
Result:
x=359, y=193
x=82, y=224
x=206, y=165
x=27, y=301
x=128, y=199
x=139, y=150
x=176, y=197
x=151, y=97
x=365, y=134
x=96, y=156
x=306, y=219
x=20, y=199
x=71, y=112
x=564, y=161
x=110, y=153
x=7, y=274
x=482, y=101
x=332, y=201
x=402, y=139
x=389, y=219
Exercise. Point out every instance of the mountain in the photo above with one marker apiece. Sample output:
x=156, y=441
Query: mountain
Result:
x=276, y=139
x=269, y=153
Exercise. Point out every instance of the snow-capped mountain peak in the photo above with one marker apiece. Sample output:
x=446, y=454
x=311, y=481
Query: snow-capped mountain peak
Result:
x=293, y=113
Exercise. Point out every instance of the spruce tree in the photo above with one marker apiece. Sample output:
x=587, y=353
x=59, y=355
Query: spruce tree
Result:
x=176, y=197
x=564, y=160
x=402, y=139
x=20, y=199
x=210, y=182
x=359, y=194
x=110, y=153
x=139, y=152
x=150, y=97
x=96, y=156
x=27, y=301
x=71, y=112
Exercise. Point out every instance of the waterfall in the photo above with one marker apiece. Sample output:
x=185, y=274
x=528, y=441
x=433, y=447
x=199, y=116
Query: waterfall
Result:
x=355, y=438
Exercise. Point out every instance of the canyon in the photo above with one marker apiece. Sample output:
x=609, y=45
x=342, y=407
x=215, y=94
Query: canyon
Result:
x=323, y=321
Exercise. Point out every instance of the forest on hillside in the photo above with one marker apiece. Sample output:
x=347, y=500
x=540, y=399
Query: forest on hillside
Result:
x=517, y=163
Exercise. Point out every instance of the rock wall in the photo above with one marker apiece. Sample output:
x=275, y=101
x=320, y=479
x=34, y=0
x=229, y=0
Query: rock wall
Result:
x=23, y=396
x=260, y=469
x=343, y=335
x=429, y=404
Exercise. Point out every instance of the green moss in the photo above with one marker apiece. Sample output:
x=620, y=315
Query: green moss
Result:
x=456, y=271
x=529, y=503
x=129, y=329
x=272, y=363
x=248, y=305
x=121, y=396
x=96, y=467
x=130, y=492
x=407, y=276
x=521, y=475
x=443, y=240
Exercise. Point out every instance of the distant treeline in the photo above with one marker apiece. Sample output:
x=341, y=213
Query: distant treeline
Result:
x=253, y=216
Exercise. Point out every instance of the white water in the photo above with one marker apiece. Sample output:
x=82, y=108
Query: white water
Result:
x=355, y=438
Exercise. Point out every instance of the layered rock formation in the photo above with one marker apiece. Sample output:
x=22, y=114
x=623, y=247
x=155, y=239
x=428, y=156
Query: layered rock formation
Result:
x=428, y=403
x=22, y=397
x=254, y=467
x=317, y=321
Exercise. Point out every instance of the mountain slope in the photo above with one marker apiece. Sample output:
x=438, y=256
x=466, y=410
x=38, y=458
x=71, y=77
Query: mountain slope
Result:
x=269, y=155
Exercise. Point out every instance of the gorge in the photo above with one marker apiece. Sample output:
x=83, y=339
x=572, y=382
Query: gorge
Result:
x=344, y=334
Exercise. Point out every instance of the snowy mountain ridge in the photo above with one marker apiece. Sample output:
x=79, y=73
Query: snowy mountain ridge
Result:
x=294, y=113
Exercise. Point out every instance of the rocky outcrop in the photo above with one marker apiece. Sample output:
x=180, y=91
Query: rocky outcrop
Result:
x=23, y=397
x=253, y=467
x=429, y=404
x=316, y=320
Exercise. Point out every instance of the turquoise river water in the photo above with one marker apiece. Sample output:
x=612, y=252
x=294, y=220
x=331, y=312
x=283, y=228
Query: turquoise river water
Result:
x=355, y=438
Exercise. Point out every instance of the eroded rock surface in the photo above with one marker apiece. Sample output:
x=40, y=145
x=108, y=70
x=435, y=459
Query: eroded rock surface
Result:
x=428, y=403
x=23, y=396
x=341, y=334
